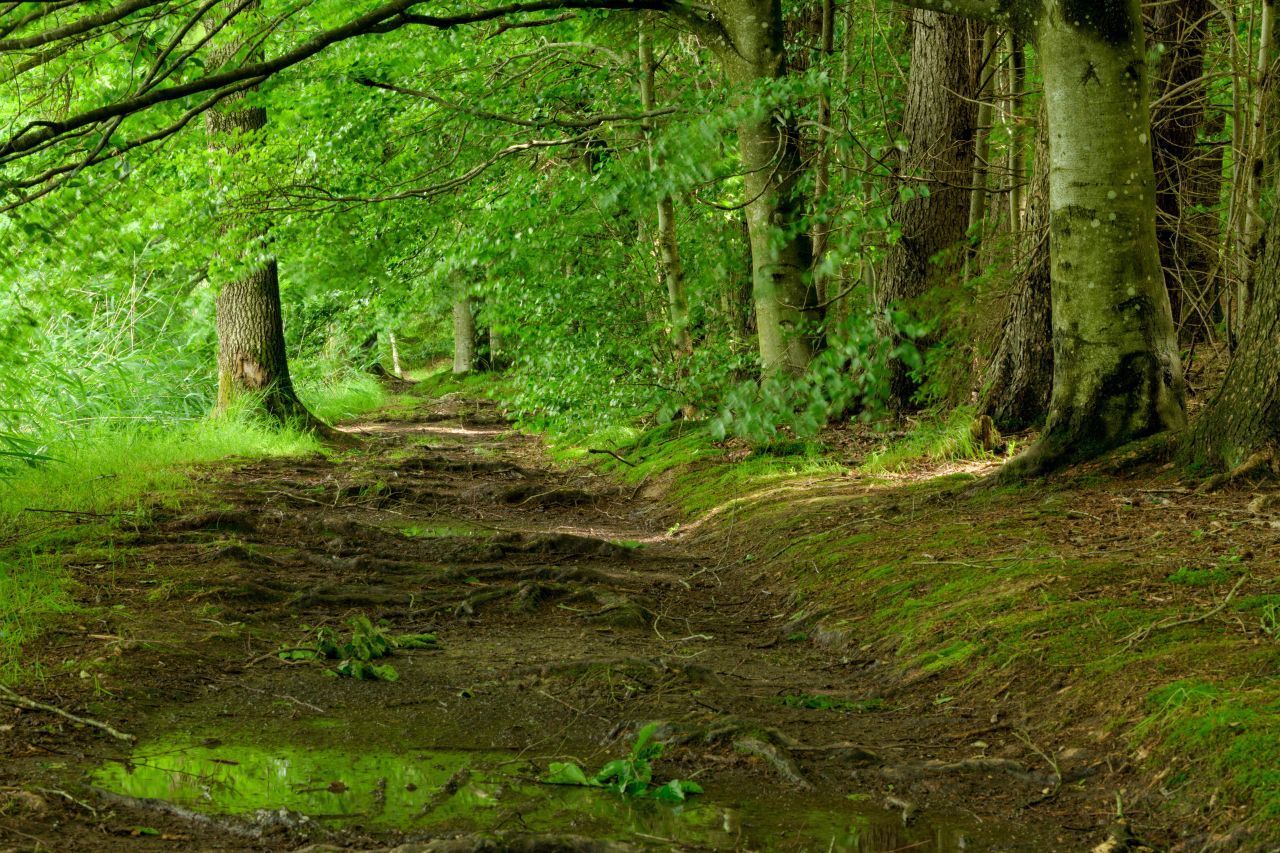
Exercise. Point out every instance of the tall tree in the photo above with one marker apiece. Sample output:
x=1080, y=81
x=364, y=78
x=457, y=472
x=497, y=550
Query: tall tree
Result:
x=1243, y=419
x=936, y=172
x=749, y=45
x=252, y=363
x=670, y=269
x=1117, y=374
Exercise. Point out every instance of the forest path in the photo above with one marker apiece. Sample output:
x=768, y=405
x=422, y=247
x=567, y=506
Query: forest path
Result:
x=567, y=618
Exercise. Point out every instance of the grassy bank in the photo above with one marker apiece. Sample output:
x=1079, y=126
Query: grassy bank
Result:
x=1122, y=619
x=90, y=487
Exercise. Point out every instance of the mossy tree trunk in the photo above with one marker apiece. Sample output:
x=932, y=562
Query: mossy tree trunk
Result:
x=1244, y=417
x=781, y=249
x=1117, y=374
x=464, y=332
x=939, y=124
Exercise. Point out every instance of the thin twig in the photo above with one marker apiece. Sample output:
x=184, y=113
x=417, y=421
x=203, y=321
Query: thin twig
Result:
x=23, y=702
x=1140, y=635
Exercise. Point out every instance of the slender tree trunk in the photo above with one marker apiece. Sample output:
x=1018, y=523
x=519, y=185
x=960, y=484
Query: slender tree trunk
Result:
x=1019, y=379
x=1117, y=374
x=670, y=269
x=822, y=157
x=981, y=147
x=781, y=250
x=252, y=364
x=395, y=355
x=1179, y=91
x=939, y=122
x=464, y=334
x=1017, y=146
x=1244, y=417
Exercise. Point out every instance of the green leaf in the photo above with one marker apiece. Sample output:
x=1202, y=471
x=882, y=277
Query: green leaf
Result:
x=676, y=791
x=568, y=773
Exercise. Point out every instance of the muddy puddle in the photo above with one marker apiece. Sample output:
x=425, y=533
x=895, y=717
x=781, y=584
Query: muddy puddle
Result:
x=439, y=790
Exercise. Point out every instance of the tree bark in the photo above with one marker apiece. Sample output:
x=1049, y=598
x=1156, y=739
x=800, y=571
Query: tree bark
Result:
x=464, y=334
x=781, y=250
x=1117, y=374
x=670, y=268
x=939, y=124
x=1019, y=379
x=1244, y=416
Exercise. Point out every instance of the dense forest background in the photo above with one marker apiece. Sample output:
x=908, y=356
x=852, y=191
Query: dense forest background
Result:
x=586, y=195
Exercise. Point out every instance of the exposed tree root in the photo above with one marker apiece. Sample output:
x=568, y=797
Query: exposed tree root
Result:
x=768, y=744
x=907, y=772
x=1262, y=463
x=254, y=826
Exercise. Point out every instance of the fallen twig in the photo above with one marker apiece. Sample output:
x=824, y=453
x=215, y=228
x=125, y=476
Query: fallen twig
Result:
x=23, y=702
x=1161, y=625
x=614, y=455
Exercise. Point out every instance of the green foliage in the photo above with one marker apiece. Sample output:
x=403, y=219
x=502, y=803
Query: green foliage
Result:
x=355, y=655
x=631, y=776
x=850, y=376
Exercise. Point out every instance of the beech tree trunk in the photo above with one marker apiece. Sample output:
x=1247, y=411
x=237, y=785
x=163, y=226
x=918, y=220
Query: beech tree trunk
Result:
x=781, y=250
x=939, y=124
x=1116, y=371
x=252, y=363
x=464, y=334
x=1018, y=381
x=1244, y=417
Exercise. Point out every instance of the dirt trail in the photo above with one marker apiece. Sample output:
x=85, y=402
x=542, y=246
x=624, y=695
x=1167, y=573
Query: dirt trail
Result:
x=567, y=619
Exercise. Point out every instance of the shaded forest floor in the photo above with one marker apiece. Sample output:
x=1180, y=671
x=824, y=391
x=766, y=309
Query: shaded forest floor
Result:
x=841, y=660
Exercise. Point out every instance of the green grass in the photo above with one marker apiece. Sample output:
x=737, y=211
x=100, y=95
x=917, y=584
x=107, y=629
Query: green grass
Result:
x=348, y=397
x=935, y=439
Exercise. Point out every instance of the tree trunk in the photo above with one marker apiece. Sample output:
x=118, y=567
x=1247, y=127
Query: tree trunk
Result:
x=395, y=355
x=670, y=269
x=1117, y=375
x=781, y=250
x=1244, y=417
x=1179, y=92
x=822, y=156
x=939, y=122
x=252, y=364
x=981, y=147
x=1019, y=379
x=464, y=335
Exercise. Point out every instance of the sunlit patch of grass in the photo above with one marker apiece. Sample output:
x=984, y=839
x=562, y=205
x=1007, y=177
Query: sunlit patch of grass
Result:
x=936, y=439
x=347, y=397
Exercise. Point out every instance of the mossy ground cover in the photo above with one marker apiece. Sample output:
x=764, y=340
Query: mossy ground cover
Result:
x=1123, y=614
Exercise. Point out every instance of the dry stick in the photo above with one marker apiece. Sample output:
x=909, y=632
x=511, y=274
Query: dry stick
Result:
x=614, y=455
x=23, y=702
x=1140, y=635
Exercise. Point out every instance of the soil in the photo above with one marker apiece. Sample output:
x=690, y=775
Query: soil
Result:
x=568, y=616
